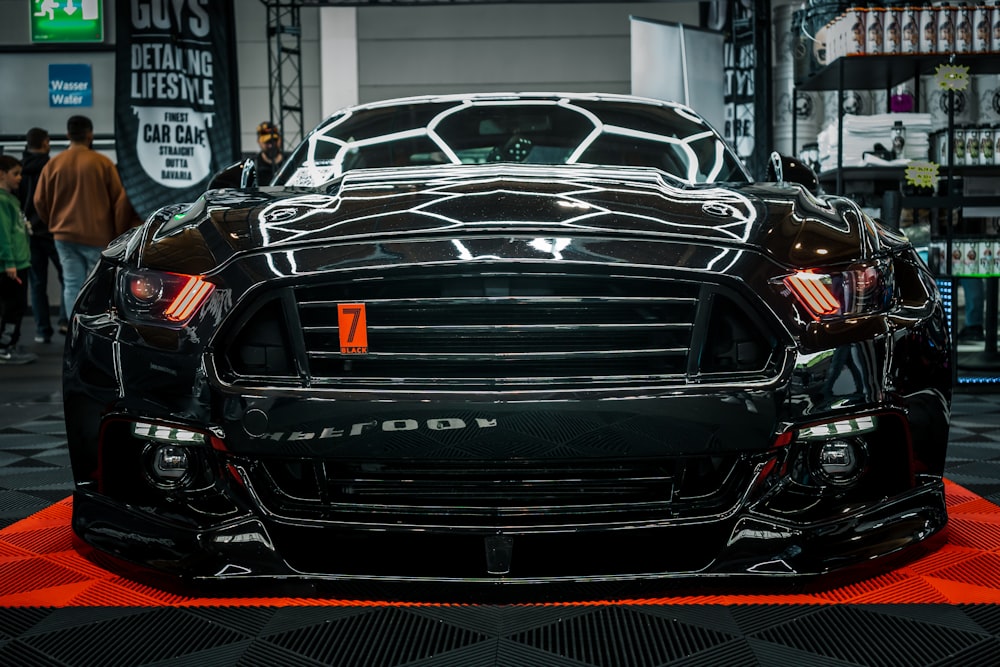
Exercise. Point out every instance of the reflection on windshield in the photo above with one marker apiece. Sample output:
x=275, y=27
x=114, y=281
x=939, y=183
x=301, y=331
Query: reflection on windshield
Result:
x=545, y=130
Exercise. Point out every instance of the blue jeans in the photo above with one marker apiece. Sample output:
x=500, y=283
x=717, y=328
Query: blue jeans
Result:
x=43, y=250
x=77, y=262
x=975, y=293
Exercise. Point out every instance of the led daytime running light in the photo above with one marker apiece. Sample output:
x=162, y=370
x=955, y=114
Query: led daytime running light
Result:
x=162, y=433
x=840, y=428
x=190, y=298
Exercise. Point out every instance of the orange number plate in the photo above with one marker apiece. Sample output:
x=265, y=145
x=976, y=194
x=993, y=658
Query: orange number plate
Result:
x=353, y=328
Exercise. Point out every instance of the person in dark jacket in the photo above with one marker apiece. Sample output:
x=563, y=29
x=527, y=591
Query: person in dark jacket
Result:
x=270, y=157
x=43, y=246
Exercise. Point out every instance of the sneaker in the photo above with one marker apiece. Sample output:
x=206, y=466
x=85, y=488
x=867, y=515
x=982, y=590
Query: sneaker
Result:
x=43, y=339
x=16, y=357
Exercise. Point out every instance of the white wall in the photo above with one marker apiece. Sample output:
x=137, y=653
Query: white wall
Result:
x=338, y=64
x=498, y=47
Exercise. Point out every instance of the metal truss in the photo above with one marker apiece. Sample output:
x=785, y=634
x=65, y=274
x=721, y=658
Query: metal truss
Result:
x=284, y=59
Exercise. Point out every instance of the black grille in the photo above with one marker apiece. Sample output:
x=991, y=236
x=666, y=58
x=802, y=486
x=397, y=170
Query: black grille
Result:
x=523, y=493
x=500, y=330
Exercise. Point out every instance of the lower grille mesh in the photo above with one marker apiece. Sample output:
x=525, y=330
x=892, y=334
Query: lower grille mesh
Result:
x=449, y=492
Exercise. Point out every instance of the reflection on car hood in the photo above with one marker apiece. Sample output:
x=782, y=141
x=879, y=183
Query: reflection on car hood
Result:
x=385, y=204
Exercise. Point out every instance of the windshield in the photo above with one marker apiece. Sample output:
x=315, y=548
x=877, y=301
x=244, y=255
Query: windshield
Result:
x=612, y=131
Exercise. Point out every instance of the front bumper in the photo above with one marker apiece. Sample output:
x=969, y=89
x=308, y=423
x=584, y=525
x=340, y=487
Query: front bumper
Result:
x=249, y=550
x=264, y=506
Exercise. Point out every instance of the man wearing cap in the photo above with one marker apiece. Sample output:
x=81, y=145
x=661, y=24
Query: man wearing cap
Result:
x=268, y=160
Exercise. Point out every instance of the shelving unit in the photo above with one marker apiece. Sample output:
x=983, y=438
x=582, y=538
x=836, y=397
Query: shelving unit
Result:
x=886, y=72
x=834, y=177
x=874, y=72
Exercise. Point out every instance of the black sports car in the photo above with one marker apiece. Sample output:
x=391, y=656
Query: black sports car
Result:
x=508, y=338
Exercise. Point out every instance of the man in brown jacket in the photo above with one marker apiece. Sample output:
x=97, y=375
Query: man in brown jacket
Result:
x=81, y=198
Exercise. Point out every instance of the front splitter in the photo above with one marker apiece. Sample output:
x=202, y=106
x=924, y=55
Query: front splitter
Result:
x=39, y=566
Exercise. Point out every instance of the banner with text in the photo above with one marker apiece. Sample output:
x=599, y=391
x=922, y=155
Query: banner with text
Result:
x=176, y=120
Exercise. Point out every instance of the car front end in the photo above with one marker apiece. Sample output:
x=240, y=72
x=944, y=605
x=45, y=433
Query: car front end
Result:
x=508, y=375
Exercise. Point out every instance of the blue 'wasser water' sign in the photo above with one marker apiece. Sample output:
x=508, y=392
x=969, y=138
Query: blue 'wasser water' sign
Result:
x=70, y=86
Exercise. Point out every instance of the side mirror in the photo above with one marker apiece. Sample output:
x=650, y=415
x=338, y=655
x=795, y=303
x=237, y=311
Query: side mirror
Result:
x=782, y=168
x=241, y=175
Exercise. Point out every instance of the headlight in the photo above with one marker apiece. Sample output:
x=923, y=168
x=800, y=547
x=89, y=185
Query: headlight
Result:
x=859, y=290
x=158, y=297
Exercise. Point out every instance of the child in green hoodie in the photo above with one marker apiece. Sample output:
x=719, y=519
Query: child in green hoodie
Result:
x=15, y=258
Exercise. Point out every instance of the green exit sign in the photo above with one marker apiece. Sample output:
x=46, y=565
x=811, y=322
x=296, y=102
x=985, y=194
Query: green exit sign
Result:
x=67, y=21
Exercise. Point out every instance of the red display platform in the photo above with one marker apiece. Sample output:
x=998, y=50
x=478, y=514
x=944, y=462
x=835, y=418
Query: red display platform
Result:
x=40, y=568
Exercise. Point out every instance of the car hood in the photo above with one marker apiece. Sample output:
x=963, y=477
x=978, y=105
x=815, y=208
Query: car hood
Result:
x=783, y=221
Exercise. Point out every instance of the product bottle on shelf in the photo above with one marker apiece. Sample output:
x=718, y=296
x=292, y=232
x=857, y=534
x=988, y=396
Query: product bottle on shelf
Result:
x=972, y=145
x=898, y=139
x=893, y=30
x=901, y=100
x=946, y=28
x=910, y=25
x=876, y=30
x=981, y=25
x=855, y=26
x=928, y=29
x=963, y=28
x=986, y=145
